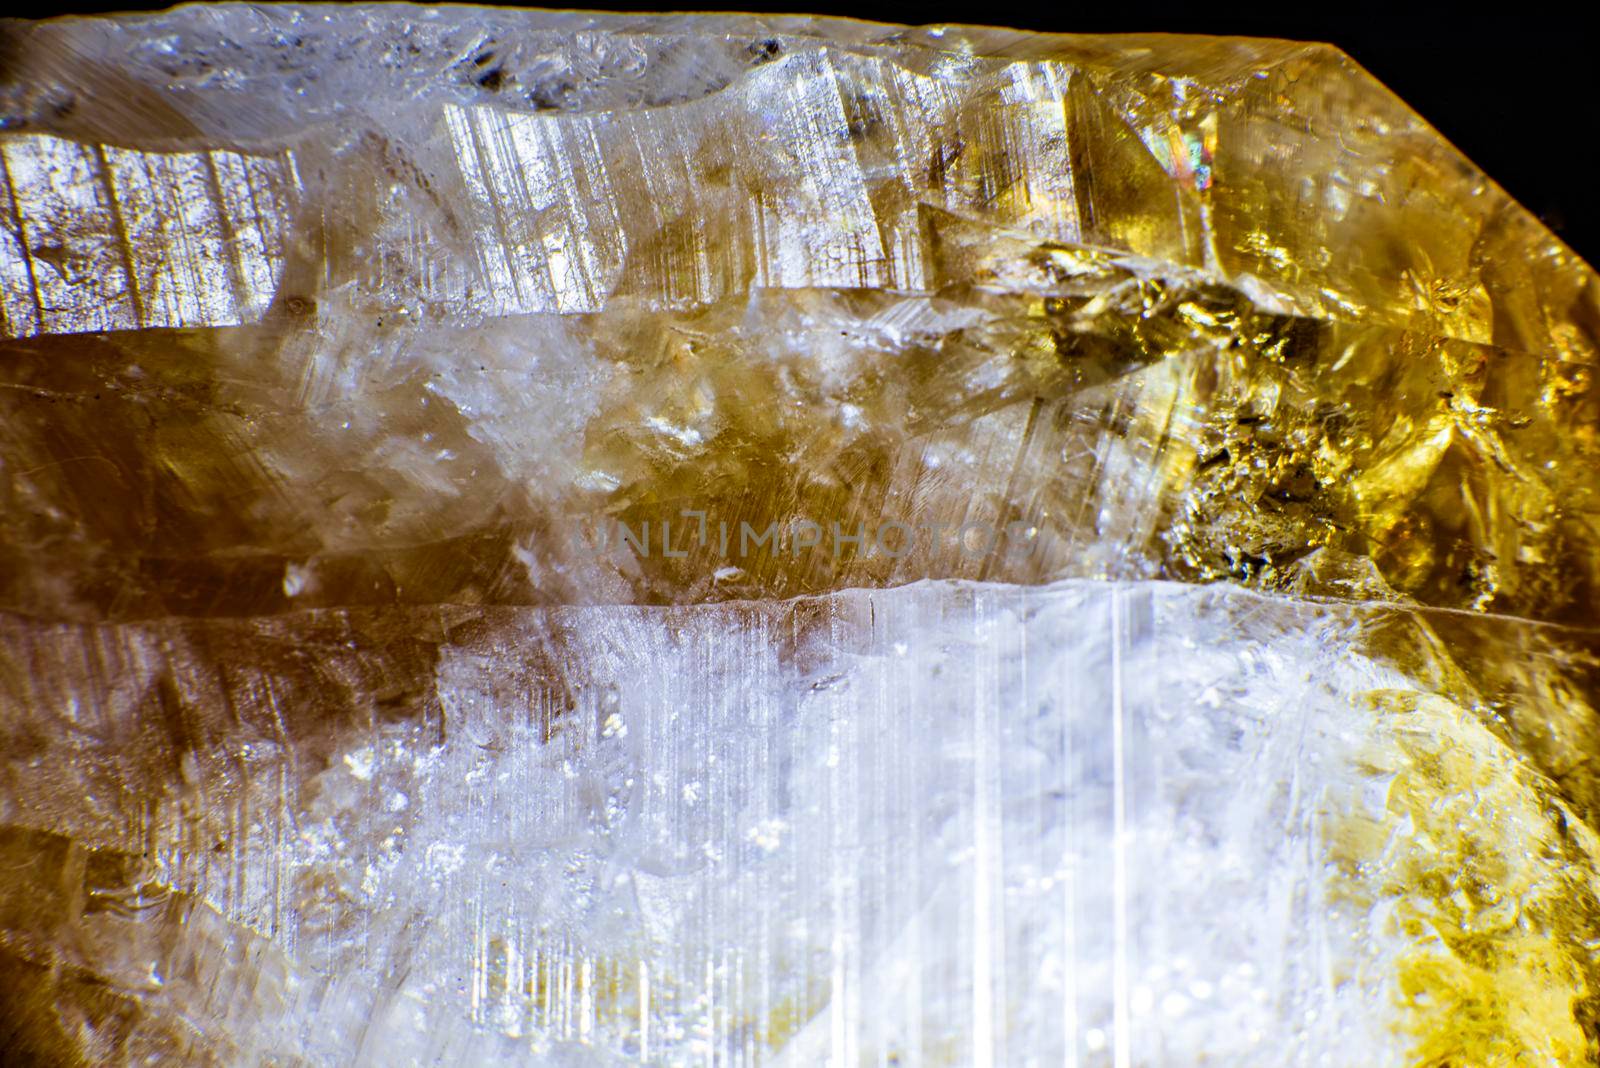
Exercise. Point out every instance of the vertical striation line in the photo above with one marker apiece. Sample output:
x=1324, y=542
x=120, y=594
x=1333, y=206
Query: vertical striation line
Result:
x=1119, y=832
x=14, y=322
x=120, y=232
x=1072, y=786
x=983, y=905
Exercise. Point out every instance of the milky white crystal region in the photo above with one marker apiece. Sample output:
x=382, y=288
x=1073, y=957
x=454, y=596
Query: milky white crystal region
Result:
x=947, y=823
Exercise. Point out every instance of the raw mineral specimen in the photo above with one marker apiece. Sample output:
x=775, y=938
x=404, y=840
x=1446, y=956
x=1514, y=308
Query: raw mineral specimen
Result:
x=536, y=537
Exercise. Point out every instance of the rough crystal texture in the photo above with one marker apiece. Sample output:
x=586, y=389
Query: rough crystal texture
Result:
x=387, y=295
x=388, y=398
x=945, y=823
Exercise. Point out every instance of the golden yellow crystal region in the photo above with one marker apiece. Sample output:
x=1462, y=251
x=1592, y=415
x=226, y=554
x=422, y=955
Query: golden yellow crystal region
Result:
x=417, y=423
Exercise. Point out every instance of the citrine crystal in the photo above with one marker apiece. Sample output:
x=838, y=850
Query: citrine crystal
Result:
x=544, y=537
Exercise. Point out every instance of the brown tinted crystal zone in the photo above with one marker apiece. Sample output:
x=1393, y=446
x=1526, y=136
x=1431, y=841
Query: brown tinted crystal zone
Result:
x=1178, y=307
x=1140, y=424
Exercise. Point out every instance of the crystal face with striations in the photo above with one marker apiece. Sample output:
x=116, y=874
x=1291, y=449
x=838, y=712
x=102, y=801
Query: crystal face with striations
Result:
x=535, y=537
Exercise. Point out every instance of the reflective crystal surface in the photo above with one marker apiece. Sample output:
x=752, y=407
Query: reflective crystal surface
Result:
x=538, y=537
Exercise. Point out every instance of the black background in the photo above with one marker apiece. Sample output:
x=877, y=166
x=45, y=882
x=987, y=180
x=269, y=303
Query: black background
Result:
x=1513, y=87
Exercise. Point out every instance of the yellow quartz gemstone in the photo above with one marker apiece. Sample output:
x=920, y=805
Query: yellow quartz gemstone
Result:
x=533, y=537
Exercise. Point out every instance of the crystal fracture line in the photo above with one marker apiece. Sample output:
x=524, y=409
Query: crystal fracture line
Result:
x=1123, y=1037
